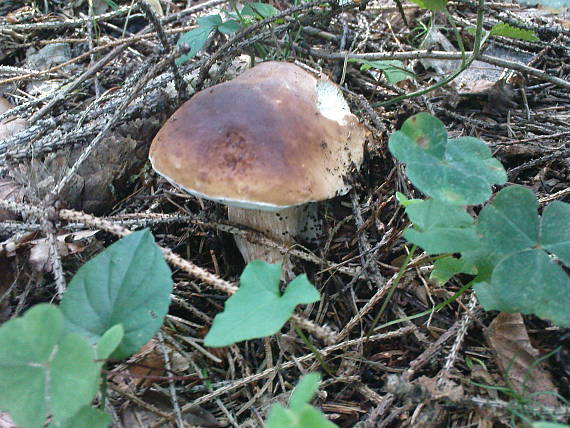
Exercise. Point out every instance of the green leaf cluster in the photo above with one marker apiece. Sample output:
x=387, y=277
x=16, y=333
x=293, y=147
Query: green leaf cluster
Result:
x=196, y=39
x=300, y=413
x=258, y=309
x=515, y=255
x=51, y=357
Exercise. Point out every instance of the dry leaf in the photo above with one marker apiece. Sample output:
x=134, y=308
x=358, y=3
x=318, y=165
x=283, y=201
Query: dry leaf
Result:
x=10, y=126
x=441, y=388
x=9, y=191
x=517, y=358
x=70, y=243
x=6, y=421
x=146, y=365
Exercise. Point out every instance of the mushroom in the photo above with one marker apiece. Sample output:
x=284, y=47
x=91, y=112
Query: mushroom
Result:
x=265, y=144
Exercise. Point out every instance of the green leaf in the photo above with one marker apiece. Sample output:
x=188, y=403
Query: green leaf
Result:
x=305, y=390
x=554, y=230
x=440, y=227
x=230, y=27
x=43, y=369
x=393, y=70
x=510, y=222
x=457, y=172
x=259, y=10
x=525, y=277
x=506, y=30
x=300, y=414
x=109, y=341
x=257, y=309
x=129, y=283
x=446, y=267
x=529, y=283
x=209, y=21
x=431, y=4
x=87, y=417
x=196, y=38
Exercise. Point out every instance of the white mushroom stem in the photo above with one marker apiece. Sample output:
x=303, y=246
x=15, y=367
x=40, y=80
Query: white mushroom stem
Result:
x=279, y=226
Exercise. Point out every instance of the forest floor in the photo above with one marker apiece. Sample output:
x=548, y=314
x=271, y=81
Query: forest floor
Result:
x=92, y=86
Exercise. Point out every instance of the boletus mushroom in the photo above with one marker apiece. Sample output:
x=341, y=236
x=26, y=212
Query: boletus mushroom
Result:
x=264, y=144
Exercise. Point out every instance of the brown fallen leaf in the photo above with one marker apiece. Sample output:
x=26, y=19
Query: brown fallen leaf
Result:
x=6, y=421
x=9, y=191
x=517, y=358
x=146, y=367
x=437, y=389
x=10, y=126
x=69, y=243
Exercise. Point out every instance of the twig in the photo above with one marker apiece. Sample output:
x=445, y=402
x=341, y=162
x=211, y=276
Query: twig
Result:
x=290, y=364
x=426, y=54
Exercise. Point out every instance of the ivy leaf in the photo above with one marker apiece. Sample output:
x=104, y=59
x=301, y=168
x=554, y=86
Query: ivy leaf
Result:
x=457, y=172
x=196, y=38
x=526, y=278
x=129, y=283
x=258, y=309
x=506, y=30
x=300, y=413
x=43, y=371
x=394, y=70
x=440, y=227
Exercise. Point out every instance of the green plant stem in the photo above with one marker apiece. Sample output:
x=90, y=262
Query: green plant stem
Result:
x=436, y=308
x=476, y=50
x=233, y=5
x=314, y=350
x=402, y=13
x=392, y=289
x=457, y=36
x=103, y=388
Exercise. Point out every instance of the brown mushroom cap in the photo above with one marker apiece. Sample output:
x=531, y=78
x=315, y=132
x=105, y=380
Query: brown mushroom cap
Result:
x=274, y=137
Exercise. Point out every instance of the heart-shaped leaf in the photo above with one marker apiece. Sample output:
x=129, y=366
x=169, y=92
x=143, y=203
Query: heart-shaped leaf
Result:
x=457, y=172
x=129, y=283
x=258, y=309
